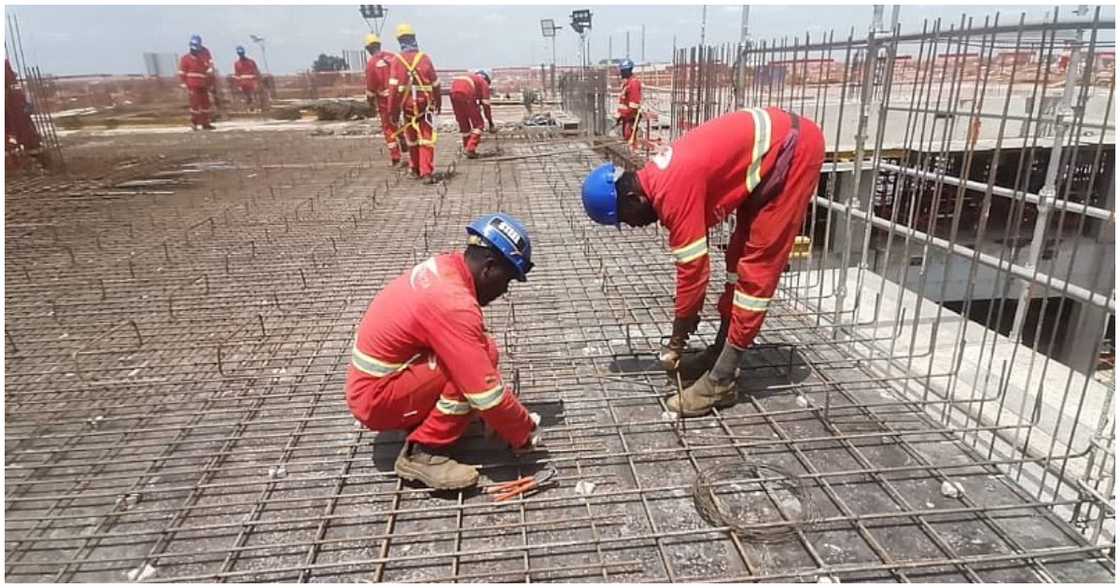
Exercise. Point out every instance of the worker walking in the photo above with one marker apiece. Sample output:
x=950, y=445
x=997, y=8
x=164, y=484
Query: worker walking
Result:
x=629, y=102
x=762, y=164
x=470, y=100
x=247, y=76
x=196, y=72
x=422, y=361
x=414, y=91
x=377, y=93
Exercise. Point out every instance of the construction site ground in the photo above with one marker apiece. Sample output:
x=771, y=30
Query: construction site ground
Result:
x=180, y=311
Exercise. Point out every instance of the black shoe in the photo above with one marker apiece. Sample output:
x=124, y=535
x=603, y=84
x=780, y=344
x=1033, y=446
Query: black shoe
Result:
x=208, y=127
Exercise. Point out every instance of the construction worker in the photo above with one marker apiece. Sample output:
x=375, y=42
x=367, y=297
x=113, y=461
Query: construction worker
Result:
x=468, y=94
x=215, y=88
x=19, y=130
x=196, y=72
x=629, y=101
x=762, y=165
x=247, y=75
x=377, y=93
x=422, y=361
x=414, y=90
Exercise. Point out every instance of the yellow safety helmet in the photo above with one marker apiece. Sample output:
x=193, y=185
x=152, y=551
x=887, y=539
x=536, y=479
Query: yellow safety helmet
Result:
x=404, y=29
x=371, y=39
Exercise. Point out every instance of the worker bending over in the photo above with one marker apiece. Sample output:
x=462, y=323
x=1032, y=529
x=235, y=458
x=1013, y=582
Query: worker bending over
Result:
x=417, y=94
x=377, y=93
x=629, y=102
x=247, y=75
x=761, y=164
x=470, y=100
x=196, y=72
x=422, y=361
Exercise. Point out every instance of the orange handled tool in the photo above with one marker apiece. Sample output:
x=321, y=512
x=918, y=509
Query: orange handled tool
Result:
x=522, y=486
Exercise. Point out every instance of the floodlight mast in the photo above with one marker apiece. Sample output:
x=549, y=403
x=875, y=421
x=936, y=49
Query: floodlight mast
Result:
x=264, y=56
x=581, y=23
x=376, y=13
x=548, y=29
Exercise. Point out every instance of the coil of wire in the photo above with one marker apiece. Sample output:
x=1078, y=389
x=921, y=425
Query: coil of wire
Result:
x=787, y=494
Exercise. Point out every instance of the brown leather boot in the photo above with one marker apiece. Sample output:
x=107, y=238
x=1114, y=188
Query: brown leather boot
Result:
x=419, y=463
x=701, y=397
x=693, y=365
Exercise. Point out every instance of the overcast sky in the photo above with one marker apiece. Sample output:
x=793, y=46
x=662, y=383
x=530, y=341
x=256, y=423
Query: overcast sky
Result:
x=111, y=39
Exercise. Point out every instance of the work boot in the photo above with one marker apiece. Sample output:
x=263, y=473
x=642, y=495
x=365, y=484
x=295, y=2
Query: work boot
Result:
x=207, y=127
x=472, y=155
x=701, y=397
x=427, y=465
x=693, y=365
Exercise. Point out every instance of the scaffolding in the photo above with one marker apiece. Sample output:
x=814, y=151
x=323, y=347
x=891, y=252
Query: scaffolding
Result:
x=179, y=326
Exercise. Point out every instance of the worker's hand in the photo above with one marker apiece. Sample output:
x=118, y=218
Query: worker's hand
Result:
x=671, y=354
x=534, y=437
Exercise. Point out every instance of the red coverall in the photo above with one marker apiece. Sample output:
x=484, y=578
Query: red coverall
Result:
x=714, y=170
x=413, y=86
x=17, y=121
x=422, y=360
x=629, y=103
x=247, y=75
x=468, y=93
x=196, y=72
x=377, y=89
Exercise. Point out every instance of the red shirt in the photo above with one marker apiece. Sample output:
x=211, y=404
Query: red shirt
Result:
x=377, y=74
x=196, y=70
x=412, y=70
x=474, y=87
x=630, y=98
x=433, y=309
x=703, y=177
x=245, y=72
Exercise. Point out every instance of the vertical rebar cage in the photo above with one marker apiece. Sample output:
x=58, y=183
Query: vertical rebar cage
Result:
x=962, y=237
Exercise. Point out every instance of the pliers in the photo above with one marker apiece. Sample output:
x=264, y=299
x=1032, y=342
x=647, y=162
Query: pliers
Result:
x=522, y=486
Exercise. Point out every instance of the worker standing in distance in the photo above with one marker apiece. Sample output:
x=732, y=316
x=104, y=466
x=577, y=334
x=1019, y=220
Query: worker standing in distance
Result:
x=422, y=361
x=377, y=93
x=196, y=72
x=470, y=100
x=629, y=101
x=763, y=164
x=414, y=90
x=247, y=76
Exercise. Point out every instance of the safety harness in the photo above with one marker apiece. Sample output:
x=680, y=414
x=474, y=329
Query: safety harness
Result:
x=415, y=84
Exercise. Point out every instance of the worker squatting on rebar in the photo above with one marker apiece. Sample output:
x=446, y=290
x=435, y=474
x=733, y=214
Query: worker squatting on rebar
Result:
x=470, y=100
x=422, y=361
x=196, y=72
x=414, y=91
x=763, y=164
x=377, y=93
x=629, y=102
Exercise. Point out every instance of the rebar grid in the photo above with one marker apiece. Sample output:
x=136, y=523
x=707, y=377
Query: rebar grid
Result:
x=175, y=407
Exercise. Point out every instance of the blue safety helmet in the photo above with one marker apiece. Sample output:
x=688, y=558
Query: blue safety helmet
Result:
x=508, y=236
x=625, y=65
x=600, y=199
x=196, y=42
x=484, y=74
x=240, y=50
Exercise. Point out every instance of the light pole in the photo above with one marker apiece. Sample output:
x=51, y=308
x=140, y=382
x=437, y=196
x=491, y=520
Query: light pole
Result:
x=264, y=56
x=376, y=13
x=581, y=23
x=548, y=29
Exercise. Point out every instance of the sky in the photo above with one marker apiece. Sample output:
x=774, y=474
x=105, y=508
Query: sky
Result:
x=91, y=39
